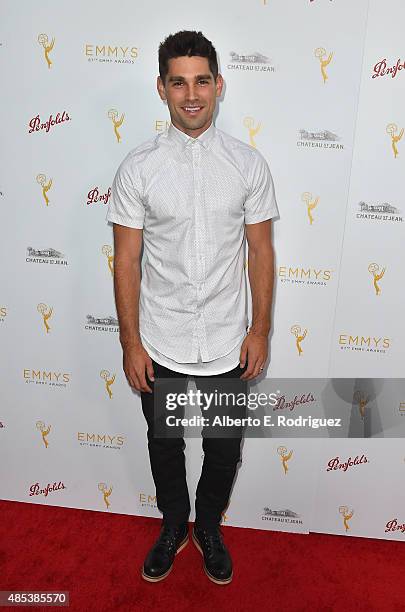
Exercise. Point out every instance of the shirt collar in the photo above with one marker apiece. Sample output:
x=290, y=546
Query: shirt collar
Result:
x=176, y=135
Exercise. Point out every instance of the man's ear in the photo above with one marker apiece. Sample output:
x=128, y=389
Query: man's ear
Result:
x=161, y=88
x=219, y=83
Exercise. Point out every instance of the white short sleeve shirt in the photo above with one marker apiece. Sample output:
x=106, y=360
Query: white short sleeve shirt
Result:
x=192, y=197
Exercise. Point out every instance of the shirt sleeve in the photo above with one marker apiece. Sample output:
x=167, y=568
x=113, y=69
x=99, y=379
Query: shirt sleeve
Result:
x=260, y=204
x=126, y=207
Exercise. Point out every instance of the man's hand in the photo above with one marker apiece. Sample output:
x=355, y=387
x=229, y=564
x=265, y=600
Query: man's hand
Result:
x=254, y=350
x=136, y=361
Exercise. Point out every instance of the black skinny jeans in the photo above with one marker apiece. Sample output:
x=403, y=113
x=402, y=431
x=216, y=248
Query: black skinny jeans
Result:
x=167, y=460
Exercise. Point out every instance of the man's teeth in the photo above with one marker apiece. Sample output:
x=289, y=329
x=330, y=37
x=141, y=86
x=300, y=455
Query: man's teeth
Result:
x=192, y=108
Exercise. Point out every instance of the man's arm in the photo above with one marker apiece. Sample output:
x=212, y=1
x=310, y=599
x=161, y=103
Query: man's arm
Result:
x=127, y=282
x=261, y=278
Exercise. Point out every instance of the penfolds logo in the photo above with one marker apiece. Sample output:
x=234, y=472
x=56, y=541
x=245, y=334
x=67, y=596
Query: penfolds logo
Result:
x=381, y=69
x=36, y=490
x=36, y=124
x=94, y=196
x=395, y=526
x=284, y=404
x=336, y=464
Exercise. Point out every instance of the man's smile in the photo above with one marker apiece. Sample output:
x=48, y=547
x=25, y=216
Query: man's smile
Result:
x=191, y=110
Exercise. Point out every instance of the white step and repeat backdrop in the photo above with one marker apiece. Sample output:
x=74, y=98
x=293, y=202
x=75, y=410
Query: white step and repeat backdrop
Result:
x=318, y=86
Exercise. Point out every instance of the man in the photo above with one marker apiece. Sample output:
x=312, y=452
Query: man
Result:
x=189, y=195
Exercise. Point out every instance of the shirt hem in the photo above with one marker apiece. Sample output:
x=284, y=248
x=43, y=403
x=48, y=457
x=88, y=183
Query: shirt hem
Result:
x=118, y=221
x=260, y=218
x=205, y=364
x=240, y=338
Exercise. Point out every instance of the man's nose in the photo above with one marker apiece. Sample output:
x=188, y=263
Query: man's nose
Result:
x=191, y=92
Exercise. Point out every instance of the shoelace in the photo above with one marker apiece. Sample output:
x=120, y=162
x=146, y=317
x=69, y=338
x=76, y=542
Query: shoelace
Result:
x=212, y=539
x=168, y=537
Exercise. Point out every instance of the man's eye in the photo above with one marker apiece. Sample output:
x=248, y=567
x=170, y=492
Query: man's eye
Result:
x=203, y=81
x=177, y=83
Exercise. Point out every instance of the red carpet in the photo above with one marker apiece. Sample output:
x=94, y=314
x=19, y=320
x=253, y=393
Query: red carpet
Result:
x=97, y=557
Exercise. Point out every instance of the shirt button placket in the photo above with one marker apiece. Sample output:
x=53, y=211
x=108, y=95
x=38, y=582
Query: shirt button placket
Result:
x=199, y=241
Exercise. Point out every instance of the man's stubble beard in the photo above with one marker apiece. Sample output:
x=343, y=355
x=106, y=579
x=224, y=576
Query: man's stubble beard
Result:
x=190, y=124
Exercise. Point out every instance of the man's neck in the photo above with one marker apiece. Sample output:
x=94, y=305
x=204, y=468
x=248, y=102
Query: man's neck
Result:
x=192, y=133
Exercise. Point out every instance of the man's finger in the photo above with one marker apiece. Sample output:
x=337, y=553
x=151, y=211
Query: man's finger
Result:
x=136, y=381
x=243, y=356
x=150, y=372
x=143, y=383
x=251, y=368
x=130, y=381
x=256, y=371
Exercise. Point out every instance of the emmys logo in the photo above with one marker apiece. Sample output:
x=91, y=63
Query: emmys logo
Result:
x=46, y=312
x=36, y=490
x=393, y=525
x=304, y=276
x=108, y=324
x=94, y=196
x=100, y=441
x=379, y=212
x=323, y=139
x=336, y=464
x=255, y=62
x=310, y=203
x=106, y=250
x=281, y=516
x=361, y=399
x=161, y=126
x=392, y=130
x=299, y=337
x=44, y=377
x=253, y=130
x=47, y=46
x=108, y=54
x=45, y=256
x=324, y=61
x=41, y=180
x=44, y=432
x=346, y=515
x=147, y=501
x=380, y=69
x=108, y=380
x=35, y=124
x=113, y=115
x=285, y=457
x=3, y=313
x=368, y=344
x=377, y=275
x=102, y=487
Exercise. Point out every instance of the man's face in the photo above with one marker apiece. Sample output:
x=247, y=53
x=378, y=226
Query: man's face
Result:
x=191, y=92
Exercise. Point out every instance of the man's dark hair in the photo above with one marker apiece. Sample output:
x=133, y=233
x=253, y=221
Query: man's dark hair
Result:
x=188, y=43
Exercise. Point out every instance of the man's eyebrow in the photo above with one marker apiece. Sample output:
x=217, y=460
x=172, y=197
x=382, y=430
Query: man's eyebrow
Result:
x=198, y=77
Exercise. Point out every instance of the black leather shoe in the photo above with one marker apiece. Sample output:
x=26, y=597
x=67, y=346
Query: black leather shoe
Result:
x=217, y=560
x=159, y=560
